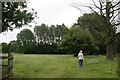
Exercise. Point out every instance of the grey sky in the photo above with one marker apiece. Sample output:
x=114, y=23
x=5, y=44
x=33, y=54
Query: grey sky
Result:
x=57, y=11
x=50, y=12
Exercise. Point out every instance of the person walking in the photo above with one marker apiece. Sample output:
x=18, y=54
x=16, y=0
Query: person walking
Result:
x=81, y=58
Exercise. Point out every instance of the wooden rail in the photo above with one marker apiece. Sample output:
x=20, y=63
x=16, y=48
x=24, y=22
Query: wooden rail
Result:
x=7, y=68
x=6, y=57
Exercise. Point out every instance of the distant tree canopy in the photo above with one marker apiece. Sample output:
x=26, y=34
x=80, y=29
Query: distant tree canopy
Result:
x=77, y=39
x=15, y=47
x=44, y=39
x=57, y=39
x=25, y=36
x=94, y=24
x=50, y=35
x=5, y=47
x=26, y=40
x=15, y=15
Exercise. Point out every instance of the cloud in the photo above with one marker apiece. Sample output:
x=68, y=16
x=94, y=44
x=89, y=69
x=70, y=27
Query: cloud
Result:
x=50, y=12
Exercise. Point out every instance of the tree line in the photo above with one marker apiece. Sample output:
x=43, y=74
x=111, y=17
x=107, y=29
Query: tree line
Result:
x=61, y=39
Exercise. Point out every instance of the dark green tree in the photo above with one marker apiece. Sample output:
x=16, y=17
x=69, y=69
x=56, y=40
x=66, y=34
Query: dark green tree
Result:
x=15, y=47
x=5, y=47
x=26, y=40
x=15, y=15
x=78, y=39
x=49, y=37
x=92, y=22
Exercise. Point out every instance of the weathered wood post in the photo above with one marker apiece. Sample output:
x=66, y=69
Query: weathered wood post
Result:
x=10, y=65
x=10, y=62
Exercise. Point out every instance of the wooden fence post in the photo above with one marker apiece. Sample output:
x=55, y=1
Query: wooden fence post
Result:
x=10, y=62
x=10, y=65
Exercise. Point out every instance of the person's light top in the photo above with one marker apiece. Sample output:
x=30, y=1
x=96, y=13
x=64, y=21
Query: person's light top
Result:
x=80, y=55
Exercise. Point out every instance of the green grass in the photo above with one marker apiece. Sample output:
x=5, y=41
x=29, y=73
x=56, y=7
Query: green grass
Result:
x=63, y=66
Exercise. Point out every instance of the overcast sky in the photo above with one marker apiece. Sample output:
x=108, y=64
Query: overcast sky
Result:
x=50, y=12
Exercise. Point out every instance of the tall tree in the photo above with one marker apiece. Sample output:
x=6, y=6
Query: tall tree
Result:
x=60, y=31
x=91, y=22
x=15, y=15
x=52, y=34
x=26, y=40
x=108, y=10
x=49, y=37
x=41, y=33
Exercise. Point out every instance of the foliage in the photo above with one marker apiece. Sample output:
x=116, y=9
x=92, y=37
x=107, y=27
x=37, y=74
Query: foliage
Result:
x=26, y=40
x=50, y=35
x=15, y=47
x=55, y=39
x=78, y=39
x=48, y=38
x=95, y=25
x=15, y=15
x=45, y=40
x=5, y=47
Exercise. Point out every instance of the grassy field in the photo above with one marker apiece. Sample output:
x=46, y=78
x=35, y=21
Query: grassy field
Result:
x=63, y=66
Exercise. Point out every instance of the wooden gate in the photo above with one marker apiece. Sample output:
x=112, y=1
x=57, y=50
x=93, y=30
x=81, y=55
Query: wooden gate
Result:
x=7, y=65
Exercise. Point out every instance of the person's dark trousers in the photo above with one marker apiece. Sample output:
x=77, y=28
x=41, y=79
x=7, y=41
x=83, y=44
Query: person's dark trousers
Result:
x=80, y=63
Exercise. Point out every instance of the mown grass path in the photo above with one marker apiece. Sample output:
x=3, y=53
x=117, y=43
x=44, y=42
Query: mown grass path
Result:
x=63, y=66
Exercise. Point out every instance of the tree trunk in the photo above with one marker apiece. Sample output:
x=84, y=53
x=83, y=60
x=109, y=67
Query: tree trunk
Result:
x=109, y=51
x=110, y=34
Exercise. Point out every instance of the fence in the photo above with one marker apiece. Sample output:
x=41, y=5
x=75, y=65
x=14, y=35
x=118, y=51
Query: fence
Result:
x=7, y=67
